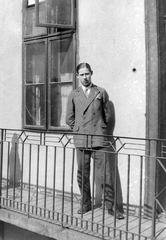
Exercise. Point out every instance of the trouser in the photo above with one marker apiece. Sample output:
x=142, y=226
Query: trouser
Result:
x=116, y=190
x=102, y=174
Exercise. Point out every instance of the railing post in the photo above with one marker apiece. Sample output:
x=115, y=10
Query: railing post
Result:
x=154, y=203
x=1, y=163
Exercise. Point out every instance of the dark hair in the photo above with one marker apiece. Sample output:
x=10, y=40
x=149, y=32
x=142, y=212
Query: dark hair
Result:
x=83, y=65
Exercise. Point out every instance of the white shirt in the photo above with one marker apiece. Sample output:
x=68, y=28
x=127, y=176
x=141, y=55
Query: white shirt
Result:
x=86, y=89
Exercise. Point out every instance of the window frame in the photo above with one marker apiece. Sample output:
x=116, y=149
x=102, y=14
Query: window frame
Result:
x=43, y=31
x=50, y=25
x=50, y=34
x=26, y=84
x=49, y=127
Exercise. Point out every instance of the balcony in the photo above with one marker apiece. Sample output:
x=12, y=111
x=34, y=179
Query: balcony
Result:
x=38, y=181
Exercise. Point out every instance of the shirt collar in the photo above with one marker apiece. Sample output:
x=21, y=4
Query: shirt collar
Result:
x=83, y=87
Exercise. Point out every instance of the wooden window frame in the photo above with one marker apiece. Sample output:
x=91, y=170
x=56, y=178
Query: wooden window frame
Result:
x=61, y=26
x=50, y=34
x=29, y=84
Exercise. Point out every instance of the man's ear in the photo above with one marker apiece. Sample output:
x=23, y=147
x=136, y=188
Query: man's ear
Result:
x=91, y=72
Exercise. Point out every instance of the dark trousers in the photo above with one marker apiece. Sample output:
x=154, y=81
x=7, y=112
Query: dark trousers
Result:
x=115, y=183
x=102, y=174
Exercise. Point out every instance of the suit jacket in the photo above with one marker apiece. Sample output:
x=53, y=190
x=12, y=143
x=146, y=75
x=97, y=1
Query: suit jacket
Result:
x=89, y=116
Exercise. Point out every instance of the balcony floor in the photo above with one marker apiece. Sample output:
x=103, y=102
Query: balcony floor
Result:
x=62, y=211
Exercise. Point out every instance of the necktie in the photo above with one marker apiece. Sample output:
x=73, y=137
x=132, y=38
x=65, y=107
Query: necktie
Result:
x=86, y=92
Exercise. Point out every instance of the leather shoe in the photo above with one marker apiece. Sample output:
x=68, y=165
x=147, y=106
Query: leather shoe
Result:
x=83, y=211
x=118, y=215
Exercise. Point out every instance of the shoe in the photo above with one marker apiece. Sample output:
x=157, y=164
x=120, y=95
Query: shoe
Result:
x=83, y=211
x=118, y=214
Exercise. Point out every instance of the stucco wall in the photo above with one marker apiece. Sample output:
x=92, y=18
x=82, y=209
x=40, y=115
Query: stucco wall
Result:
x=111, y=37
x=11, y=64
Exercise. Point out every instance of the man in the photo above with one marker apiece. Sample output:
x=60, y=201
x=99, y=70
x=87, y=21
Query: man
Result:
x=88, y=112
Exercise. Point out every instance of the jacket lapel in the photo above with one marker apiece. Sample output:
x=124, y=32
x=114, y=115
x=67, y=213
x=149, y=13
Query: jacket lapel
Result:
x=81, y=95
x=92, y=95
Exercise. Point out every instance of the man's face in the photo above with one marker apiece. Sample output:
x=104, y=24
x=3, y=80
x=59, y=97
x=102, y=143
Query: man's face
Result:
x=84, y=76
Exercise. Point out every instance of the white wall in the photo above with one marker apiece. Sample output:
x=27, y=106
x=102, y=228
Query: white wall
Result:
x=11, y=64
x=112, y=39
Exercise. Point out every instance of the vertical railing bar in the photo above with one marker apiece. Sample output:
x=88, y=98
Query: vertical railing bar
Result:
x=45, y=188
x=29, y=183
x=86, y=224
x=41, y=138
x=97, y=228
x=8, y=181
x=14, y=177
x=63, y=182
x=93, y=187
x=72, y=181
x=82, y=190
x=154, y=200
x=120, y=235
x=1, y=164
x=22, y=167
x=128, y=190
x=104, y=187
x=140, y=202
x=44, y=139
x=54, y=181
x=4, y=135
x=37, y=178
x=115, y=199
x=108, y=232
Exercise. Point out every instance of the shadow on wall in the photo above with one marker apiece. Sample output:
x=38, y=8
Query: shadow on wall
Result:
x=14, y=162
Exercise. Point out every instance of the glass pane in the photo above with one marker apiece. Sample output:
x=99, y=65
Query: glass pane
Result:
x=35, y=63
x=57, y=12
x=31, y=2
x=59, y=97
x=29, y=27
x=62, y=60
x=35, y=106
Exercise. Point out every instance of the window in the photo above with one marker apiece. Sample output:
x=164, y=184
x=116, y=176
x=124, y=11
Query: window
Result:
x=49, y=69
x=57, y=13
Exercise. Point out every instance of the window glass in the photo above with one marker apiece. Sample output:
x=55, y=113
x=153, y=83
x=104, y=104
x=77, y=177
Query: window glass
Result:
x=35, y=106
x=59, y=95
x=58, y=13
x=31, y=2
x=60, y=78
x=35, y=63
x=29, y=27
x=61, y=60
x=35, y=75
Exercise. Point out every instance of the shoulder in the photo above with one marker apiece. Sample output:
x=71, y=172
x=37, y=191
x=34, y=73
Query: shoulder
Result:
x=75, y=91
x=100, y=89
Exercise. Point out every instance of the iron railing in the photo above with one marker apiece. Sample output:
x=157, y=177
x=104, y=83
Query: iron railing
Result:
x=38, y=179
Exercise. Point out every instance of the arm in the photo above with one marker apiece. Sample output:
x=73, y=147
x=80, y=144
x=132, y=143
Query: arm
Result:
x=106, y=107
x=70, y=113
